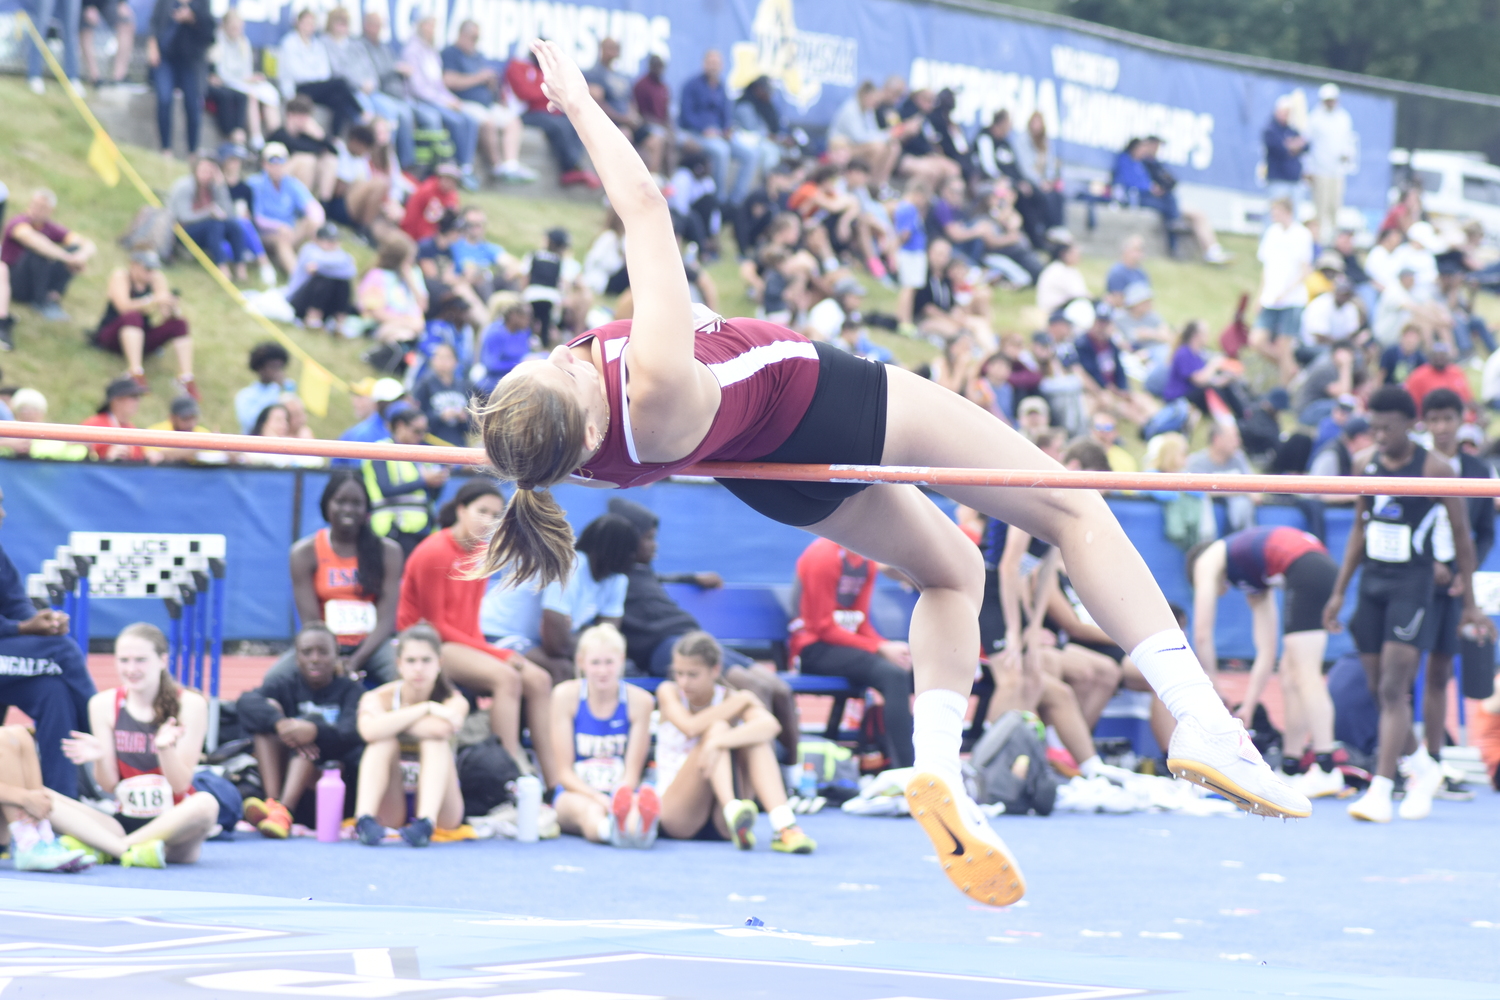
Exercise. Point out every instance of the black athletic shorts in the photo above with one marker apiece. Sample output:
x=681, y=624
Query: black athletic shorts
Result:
x=1444, y=615
x=991, y=616
x=1392, y=607
x=1309, y=584
x=844, y=425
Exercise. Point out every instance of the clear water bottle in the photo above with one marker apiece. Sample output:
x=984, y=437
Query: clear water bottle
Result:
x=807, y=783
x=528, y=807
x=330, y=792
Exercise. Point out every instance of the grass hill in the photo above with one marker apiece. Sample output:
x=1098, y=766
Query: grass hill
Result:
x=43, y=142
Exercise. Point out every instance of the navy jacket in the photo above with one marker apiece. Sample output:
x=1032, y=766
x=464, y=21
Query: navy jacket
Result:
x=1280, y=164
x=703, y=106
x=1088, y=357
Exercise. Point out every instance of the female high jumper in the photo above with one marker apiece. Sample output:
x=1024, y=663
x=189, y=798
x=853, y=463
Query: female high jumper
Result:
x=638, y=400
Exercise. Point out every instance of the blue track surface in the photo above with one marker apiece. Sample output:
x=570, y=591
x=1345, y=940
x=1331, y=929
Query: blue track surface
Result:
x=1325, y=907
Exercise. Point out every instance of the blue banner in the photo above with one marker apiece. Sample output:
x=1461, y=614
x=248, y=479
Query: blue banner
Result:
x=1093, y=93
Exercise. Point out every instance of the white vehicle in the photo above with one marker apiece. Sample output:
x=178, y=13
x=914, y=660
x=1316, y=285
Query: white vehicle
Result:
x=1455, y=186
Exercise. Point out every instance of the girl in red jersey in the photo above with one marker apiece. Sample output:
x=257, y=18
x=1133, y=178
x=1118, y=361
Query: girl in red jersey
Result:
x=704, y=388
x=147, y=736
x=439, y=588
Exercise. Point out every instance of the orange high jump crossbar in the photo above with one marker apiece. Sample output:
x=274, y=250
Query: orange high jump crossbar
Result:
x=1149, y=481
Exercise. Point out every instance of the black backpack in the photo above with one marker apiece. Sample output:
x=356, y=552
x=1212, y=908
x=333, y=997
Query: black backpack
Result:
x=485, y=773
x=999, y=774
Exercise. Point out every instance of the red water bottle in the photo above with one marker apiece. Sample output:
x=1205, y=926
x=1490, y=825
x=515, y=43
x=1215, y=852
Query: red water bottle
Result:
x=330, y=805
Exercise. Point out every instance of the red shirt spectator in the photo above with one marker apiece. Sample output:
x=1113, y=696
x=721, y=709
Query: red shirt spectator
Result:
x=122, y=398
x=525, y=80
x=835, y=607
x=1438, y=373
x=11, y=248
x=653, y=98
x=433, y=590
x=433, y=198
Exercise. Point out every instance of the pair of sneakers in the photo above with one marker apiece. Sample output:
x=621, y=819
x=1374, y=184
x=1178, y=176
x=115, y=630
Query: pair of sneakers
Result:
x=371, y=832
x=983, y=868
x=1424, y=776
x=790, y=839
x=268, y=816
x=148, y=854
x=645, y=806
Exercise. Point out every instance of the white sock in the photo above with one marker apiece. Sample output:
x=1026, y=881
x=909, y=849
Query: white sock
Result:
x=729, y=811
x=938, y=732
x=1090, y=768
x=24, y=835
x=1169, y=666
x=1381, y=788
x=782, y=817
x=604, y=828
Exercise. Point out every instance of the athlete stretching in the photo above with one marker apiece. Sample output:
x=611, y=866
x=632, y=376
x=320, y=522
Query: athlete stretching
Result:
x=636, y=401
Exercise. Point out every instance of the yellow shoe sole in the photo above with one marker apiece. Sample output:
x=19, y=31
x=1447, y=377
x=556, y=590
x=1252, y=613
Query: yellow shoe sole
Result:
x=985, y=872
x=1215, y=781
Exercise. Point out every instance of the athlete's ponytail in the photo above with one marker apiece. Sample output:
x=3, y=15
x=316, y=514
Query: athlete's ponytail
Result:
x=534, y=437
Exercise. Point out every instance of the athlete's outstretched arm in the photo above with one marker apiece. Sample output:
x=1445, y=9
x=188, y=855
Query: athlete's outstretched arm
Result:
x=661, y=337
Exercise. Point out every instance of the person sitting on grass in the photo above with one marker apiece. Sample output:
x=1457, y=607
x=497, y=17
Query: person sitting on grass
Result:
x=322, y=285
x=300, y=723
x=147, y=738
x=43, y=256
x=414, y=718
x=27, y=806
x=142, y=315
x=268, y=360
x=392, y=295
x=286, y=213
x=710, y=743
x=602, y=728
x=122, y=401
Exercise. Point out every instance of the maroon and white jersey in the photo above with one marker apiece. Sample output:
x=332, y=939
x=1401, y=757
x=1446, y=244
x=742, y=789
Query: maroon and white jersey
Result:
x=766, y=373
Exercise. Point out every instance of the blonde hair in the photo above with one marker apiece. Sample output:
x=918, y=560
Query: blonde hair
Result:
x=1166, y=452
x=700, y=646
x=533, y=436
x=598, y=637
x=168, y=695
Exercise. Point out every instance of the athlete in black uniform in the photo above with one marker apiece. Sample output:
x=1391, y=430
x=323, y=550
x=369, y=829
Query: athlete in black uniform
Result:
x=1391, y=541
x=1443, y=415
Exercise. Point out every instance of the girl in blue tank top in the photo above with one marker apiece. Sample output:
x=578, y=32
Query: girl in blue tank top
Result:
x=602, y=729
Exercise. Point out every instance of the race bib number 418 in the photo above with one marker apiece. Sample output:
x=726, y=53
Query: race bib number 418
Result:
x=144, y=796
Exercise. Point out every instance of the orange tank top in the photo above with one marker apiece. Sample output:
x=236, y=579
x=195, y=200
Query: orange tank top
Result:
x=347, y=611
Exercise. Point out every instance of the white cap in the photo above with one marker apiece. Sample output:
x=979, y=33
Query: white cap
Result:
x=1080, y=313
x=1328, y=92
x=1423, y=233
x=387, y=390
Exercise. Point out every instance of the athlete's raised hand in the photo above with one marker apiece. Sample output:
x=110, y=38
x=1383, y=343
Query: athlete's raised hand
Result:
x=562, y=80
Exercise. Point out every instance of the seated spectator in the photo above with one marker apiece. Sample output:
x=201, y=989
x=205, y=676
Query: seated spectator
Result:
x=758, y=133
x=296, y=412
x=1102, y=432
x=906, y=116
x=268, y=360
x=231, y=159
x=1141, y=327
x=700, y=750
x=182, y=416
x=435, y=589
x=1126, y=271
x=243, y=99
x=1224, y=456
x=42, y=256
x=26, y=804
x=604, y=271
x=370, y=398
x=1041, y=166
x=602, y=728
x=481, y=93
x=615, y=95
x=826, y=319
x=147, y=735
x=552, y=287
x=854, y=122
x=1191, y=374
x=694, y=201
x=483, y=264
x=275, y=421
x=122, y=401
x=1324, y=382
x=182, y=32
x=993, y=389
x=30, y=406
x=524, y=78
x=1146, y=182
x=594, y=591
x=1440, y=372
x=935, y=306
x=506, y=344
x=303, y=69
x=909, y=220
x=653, y=98
x=321, y=284
x=286, y=213
x=1103, y=368
x=958, y=365
x=348, y=578
x=311, y=158
x=434, y=198
x=402, y=493
x=422, y=707
x=42, y=673
x=1060, y=281
x=1033, y=416
x=1332, y=318
x=453, y=299
x=141, y=316
x=837, y=639
x=361, y=195
x=1336, y=458
x=855, y=338
x=119, y=18
x=435, y=105
x=301, y=722
x=1398, y=361
x=392, y=296
x=200, y=204
x=704, y=116
x=443, y=394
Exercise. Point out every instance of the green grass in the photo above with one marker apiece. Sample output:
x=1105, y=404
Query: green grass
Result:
x=43, y=142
